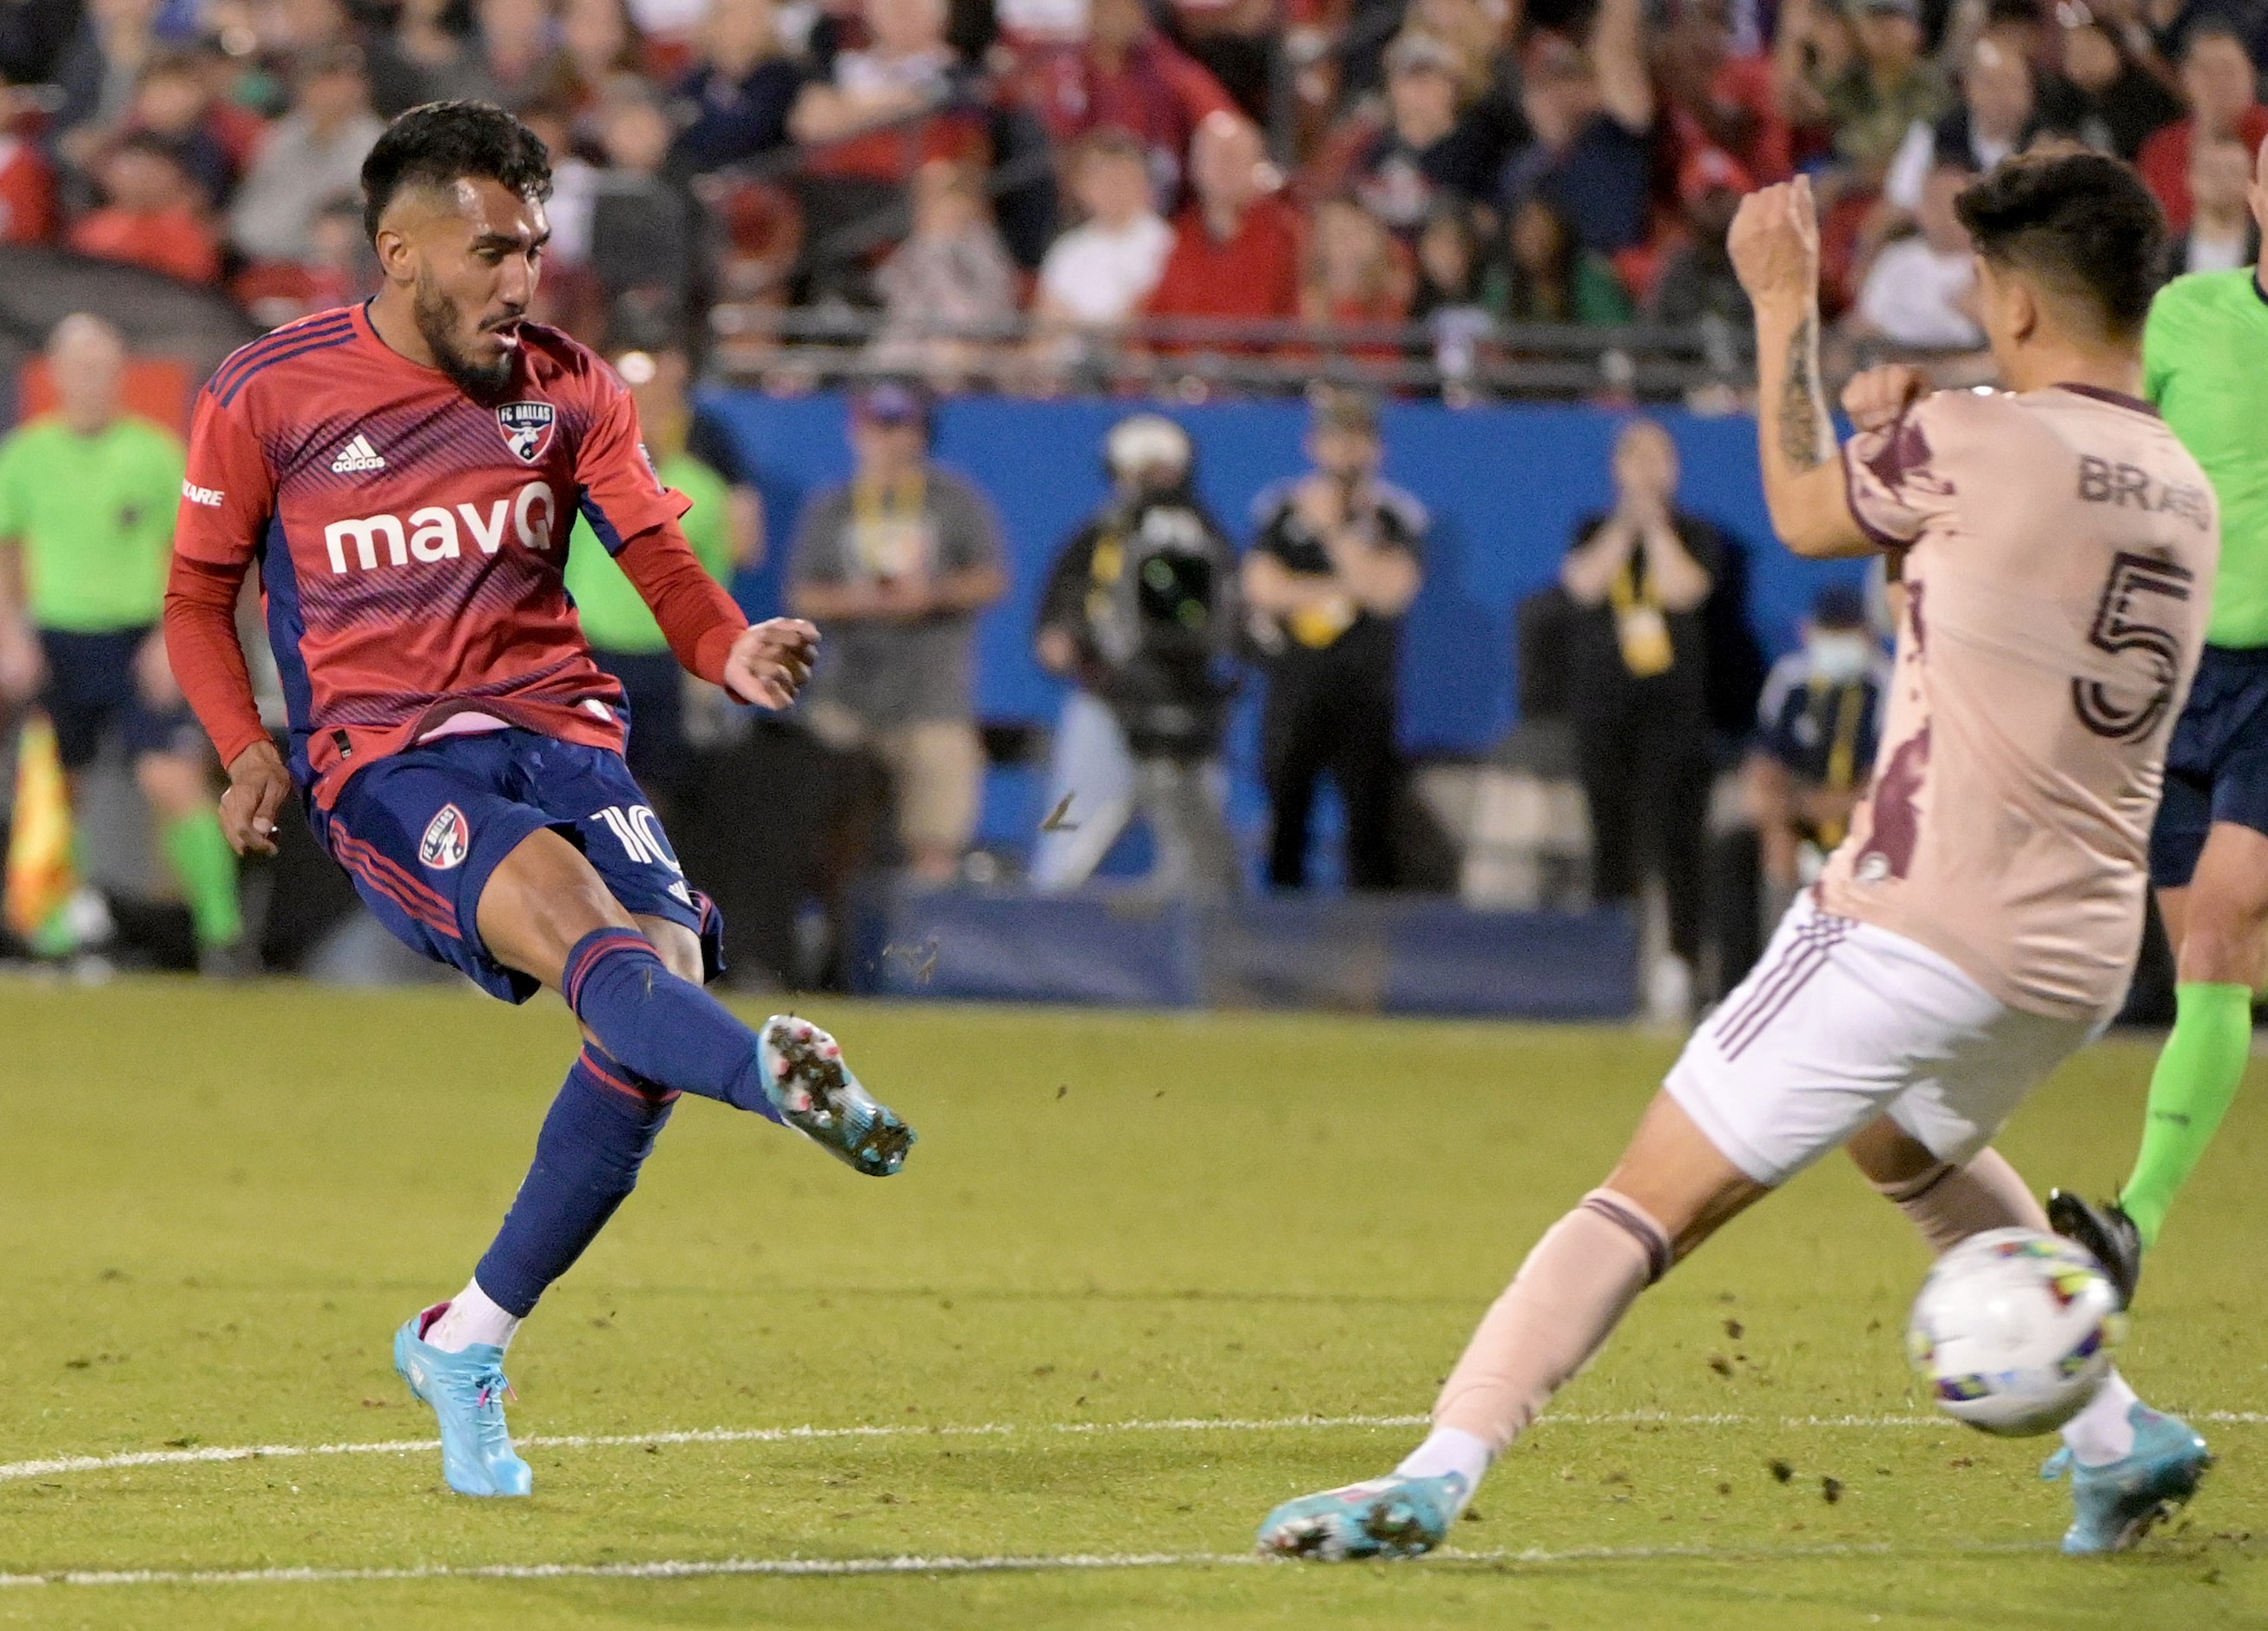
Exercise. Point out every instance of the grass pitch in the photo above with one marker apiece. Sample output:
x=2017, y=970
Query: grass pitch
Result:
x=1135, y=1251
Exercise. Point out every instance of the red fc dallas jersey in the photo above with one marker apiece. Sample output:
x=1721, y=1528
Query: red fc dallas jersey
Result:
x=411, y=540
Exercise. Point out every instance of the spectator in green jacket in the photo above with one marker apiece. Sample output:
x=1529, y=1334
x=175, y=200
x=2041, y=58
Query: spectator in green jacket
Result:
x=694, y=454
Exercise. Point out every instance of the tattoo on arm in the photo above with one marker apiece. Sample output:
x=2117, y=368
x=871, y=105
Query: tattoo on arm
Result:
x=1800, y=410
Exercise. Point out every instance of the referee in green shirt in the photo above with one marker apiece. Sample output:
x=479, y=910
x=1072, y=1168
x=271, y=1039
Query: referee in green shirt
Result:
x=725, y=527
x=2206, y=366
x=87, y=498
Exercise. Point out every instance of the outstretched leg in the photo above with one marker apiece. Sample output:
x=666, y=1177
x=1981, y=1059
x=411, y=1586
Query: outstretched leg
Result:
x=1671, y=1191
x=651, y=1033
x=546, y=912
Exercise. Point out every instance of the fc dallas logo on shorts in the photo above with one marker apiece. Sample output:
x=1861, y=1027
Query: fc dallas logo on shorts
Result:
x=526, y=428
x=443, y=847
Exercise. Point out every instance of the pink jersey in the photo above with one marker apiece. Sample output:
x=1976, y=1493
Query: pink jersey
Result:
x=411, y=540
x=2058, y=550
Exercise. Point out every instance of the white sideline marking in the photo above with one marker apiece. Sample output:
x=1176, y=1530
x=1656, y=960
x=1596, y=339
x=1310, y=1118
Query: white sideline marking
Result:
x=14, y=1471
x=838, y=1566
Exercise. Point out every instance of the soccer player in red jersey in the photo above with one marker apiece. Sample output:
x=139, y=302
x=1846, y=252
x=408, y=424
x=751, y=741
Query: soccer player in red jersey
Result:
x=404, y=473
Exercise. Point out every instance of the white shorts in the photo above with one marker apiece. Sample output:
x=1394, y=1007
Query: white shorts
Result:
x=1842, y=1021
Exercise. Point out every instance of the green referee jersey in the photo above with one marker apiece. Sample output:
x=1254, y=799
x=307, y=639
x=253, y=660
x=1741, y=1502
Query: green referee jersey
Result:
x=94, y=517
x=614, y=613
x=2204, y=357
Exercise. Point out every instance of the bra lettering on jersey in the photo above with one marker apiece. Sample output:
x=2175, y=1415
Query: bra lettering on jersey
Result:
x=431, y=534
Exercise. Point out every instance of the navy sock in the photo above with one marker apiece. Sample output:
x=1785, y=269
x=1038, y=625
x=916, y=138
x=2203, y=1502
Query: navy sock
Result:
x=601, y=1129
x=659, y=1027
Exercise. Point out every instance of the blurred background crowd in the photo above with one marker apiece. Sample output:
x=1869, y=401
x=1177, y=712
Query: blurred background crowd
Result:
x=1005, y=190
x=965, y=323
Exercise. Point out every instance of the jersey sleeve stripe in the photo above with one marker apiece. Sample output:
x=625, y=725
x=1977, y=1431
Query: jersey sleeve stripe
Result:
x=287, y=626
x=608, y=534
x=245, y=355
x=245, y=375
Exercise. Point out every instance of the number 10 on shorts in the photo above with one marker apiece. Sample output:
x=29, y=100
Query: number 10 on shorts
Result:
x=640, y=833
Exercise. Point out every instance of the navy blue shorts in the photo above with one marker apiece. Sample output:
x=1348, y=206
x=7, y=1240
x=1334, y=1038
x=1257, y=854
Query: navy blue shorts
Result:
x=2217, y=765
x=91, y=687
x=420, y=831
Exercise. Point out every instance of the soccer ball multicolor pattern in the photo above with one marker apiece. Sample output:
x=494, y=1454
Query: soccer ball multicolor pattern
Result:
x=2012, y=1331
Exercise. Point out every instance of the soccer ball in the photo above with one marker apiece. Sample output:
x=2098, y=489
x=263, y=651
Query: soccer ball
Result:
x=2012, y=1331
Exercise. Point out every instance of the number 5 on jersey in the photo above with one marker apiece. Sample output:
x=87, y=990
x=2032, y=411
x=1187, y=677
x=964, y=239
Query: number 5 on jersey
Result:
x=2122, y=625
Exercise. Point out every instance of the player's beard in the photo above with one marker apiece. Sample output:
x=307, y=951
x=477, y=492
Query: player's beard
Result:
x=439, y=318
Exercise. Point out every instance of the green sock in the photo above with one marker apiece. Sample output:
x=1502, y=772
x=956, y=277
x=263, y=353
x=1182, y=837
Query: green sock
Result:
x=207, y=868
x=2197, y=1078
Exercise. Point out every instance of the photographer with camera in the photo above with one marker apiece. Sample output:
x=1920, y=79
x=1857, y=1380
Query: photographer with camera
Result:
x=1139, y=613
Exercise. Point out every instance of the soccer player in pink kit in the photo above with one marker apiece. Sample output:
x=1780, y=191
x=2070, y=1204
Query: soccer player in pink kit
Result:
x=405, y=474
x=1979, y=922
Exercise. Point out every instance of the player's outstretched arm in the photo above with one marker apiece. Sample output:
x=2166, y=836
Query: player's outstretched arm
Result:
x=766, y=665
x=1775, y=248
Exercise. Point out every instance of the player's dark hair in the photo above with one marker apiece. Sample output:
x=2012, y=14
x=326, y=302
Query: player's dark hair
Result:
x=444, y=142
x=2080, y=223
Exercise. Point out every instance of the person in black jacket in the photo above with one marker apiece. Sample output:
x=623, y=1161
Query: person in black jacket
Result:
x=1140, y=611
x=1644, y=572
x=1334, y=566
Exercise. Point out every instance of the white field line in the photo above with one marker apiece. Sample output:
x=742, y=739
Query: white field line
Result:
x=840, y=1566
x=55, y=1466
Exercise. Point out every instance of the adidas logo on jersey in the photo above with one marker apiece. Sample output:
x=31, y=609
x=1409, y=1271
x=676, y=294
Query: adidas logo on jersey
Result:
x=358, y=454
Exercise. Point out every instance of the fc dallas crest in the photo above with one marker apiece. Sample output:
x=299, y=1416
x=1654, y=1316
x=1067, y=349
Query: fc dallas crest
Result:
x=446, y=839
x=526, y=428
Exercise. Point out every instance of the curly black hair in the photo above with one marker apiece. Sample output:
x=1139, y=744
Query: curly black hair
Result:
x=443, y=142
x=2082, y=224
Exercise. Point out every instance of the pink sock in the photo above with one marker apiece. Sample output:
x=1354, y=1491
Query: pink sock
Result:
x=1574, y=1288
x=1948, y=1204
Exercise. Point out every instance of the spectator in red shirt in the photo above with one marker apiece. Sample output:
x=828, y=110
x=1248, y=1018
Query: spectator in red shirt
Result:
x=1720, y=100
x=1127, y=77
x=154, y=217
x=2222, y=86
x=27, y=182
x=1236, y=247
x=1354, y=275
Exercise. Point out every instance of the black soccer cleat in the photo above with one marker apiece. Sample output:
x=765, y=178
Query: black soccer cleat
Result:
x=2106, y=1231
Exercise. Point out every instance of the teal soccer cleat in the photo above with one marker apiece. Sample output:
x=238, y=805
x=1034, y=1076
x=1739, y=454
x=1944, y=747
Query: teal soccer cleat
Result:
x=467, y=1392
x=815, y=1093
x=2115, y=1505
x=1390, y=1516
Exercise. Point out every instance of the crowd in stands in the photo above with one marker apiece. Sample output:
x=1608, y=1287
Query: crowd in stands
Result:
x=1440, y=166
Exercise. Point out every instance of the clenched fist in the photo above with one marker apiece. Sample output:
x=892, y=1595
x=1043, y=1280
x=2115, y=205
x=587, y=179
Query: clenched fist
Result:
x=1775, y=244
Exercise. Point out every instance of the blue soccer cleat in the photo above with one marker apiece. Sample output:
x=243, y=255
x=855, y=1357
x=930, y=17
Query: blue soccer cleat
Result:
x=467, y=1392
x=2115, y=1505
x=815, y=1093
x=1390, y=1516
